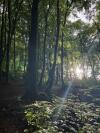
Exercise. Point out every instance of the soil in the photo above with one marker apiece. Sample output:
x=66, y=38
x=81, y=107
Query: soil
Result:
x=11, y=107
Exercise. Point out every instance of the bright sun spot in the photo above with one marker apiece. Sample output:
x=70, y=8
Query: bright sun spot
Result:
x=79, y=72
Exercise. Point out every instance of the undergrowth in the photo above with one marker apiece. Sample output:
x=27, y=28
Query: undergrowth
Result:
x=46, y=117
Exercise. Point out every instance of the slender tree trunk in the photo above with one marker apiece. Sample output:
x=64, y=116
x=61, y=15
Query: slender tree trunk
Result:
x=14, y=61
x=9, y=40
x=62, y=57
x=44, y=46
x=1, y=39
x=62, y=40
x=38, y=56
x=11, y=30
x=44, y=50
x=62, y=50
x=92, y=68
x=25, y=58
x=51, y=73
x=56, y=75
x=4, y=45
x=49, y=58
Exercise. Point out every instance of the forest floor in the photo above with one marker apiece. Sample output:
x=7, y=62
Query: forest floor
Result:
x=59, y=116
x=9, y=104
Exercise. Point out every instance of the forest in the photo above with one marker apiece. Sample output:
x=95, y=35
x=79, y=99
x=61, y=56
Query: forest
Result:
x=49, y=66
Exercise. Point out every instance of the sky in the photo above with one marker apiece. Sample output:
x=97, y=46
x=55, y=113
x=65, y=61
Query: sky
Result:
x=83, y=15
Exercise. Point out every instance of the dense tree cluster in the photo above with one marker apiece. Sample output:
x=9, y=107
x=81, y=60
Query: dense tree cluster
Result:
x=38, y=40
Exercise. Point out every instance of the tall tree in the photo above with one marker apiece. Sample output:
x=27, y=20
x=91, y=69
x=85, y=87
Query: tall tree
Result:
x=44, y=46
x=52, y=71
x=67, y=12
x=9, y=40
x=31, y=81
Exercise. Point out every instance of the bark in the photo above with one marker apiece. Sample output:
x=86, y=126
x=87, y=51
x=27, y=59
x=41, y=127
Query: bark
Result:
x=11, y=29
x=9, y=40
x=52, y=71
x=62, y=40
x=1, y=38
x=92, y=67
x=62, y=51
x=14, y=55
x=31, y=91
x=44, y=49
x=25, y=58
x=62, y=57
x=57, y=75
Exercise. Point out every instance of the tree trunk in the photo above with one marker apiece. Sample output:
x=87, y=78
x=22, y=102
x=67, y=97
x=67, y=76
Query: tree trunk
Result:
x=25, y=57
x=44, y=50
x=1, y=39
x=51, y=73
x=14, y=55
x=9, y=40
x=62, y=51
x=11, y=29
x=92, y=67
x=31, y=82
x=62, y=56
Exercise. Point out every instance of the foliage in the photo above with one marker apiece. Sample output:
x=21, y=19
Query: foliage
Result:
x=38, y=114
x=49, y=117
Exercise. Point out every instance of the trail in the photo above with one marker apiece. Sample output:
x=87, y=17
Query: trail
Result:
x=11, y=113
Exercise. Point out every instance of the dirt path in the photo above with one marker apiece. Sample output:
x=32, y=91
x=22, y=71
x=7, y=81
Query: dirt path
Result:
x=10, y=108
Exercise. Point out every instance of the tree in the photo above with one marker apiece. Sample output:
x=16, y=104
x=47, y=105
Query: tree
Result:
x=51, y=72
x=44, y=46
x=2, y=37
x=31, y=81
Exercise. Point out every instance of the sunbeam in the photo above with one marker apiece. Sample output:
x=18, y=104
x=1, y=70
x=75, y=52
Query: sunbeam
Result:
x=68, y=89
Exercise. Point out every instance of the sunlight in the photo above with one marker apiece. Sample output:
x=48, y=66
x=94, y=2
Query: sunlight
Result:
x=79, y=72
x=68, y=89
